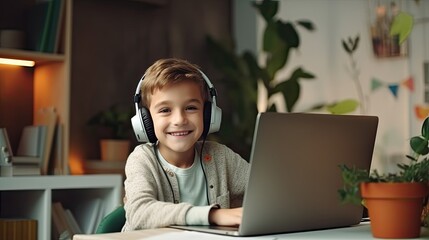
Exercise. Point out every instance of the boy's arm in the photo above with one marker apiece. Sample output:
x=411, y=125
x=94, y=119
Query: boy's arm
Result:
x=199, y=215
x=146, y=205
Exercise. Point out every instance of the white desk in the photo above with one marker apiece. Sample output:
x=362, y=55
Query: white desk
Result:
x=362, y=231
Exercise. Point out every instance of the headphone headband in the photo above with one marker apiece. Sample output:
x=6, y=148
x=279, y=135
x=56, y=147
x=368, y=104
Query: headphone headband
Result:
x=143, y=125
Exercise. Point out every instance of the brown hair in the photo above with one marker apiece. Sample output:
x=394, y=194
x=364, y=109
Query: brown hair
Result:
x=165, y=72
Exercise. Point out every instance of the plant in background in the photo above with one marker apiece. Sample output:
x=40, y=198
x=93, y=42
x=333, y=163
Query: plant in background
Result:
x=350, y=46
x=243, y=73
x=116, y=119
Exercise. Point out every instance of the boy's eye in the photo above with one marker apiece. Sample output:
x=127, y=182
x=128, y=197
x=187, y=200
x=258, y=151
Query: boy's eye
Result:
x=164, y=110
x=191, y=108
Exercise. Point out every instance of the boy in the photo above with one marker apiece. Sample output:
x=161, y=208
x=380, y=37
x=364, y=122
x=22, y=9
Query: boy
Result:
x=177, y=179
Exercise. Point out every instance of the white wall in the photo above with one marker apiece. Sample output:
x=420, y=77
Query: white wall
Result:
x=321, y=53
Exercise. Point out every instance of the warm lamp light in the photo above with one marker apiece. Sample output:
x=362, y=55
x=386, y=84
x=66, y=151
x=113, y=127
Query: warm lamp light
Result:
x=24, y=63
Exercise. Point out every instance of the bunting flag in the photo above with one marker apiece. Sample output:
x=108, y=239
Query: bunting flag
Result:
x=409, y=83
x=393, y=87
x=421, y=112
x=375, y=84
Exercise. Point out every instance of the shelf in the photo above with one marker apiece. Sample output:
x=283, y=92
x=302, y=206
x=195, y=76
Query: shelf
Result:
x=57, y=182
x=38, y=57
x=31, y=197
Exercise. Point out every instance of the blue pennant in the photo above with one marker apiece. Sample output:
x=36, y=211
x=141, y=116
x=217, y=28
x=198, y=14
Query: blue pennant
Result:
x=394, y=89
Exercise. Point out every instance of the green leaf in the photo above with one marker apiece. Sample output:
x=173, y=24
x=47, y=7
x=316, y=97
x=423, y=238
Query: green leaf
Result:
x=291, y=91
x=356, y=43
x=402, y=25
x=288, y=33
x=419, y=145
x=425, y=129
x=346, y=47
x=271, y=39
x=267, y=9
x=343, y=107
x=306, y=24
x=276, y=61
x=299, y=73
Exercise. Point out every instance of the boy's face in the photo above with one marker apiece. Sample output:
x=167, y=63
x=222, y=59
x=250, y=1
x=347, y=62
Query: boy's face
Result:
x=177, y=114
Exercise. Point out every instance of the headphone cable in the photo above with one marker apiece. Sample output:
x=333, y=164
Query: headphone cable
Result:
x=204, y=172
x=155, y=149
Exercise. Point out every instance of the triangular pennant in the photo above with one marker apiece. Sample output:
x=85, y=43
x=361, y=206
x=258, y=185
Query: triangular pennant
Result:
x=375, y=84
x=394, y=89
x=421, y=112
x=409, y=83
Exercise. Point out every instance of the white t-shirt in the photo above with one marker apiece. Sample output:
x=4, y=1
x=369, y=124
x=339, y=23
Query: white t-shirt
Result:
x=192, y=184
x=192, y=187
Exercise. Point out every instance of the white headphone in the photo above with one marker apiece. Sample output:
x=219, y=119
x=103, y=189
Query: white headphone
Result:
x=143, y=125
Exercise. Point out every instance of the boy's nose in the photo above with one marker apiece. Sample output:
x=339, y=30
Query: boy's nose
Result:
x=180, y=118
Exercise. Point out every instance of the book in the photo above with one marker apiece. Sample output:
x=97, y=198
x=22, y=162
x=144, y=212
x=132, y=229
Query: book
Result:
x=31, y=145
x=66, y=222
x=28, y=143
x=72, y=222
x=18, y=160
x=18, y=229
x=25, y=169
x=100, y=216
x=48, y=117
x=58, y=164
x=54, y=26
x=37, y=28
x=58, y=221
x=87, y=215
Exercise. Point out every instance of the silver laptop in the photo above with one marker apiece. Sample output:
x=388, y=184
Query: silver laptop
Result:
x=294, y=175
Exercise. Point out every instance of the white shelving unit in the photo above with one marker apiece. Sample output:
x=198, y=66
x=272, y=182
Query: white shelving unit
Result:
x=32, y=197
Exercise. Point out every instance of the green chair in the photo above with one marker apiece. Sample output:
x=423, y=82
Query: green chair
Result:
x=113, y=222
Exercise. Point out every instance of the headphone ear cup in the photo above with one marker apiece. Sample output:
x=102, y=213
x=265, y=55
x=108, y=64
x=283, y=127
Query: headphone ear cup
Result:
x=207, y=117
x=148, y=125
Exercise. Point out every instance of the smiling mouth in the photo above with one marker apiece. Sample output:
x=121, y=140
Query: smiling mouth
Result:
x=184, y=133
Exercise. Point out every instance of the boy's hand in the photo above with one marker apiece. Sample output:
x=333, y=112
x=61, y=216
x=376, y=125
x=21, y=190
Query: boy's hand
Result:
x=225, y=217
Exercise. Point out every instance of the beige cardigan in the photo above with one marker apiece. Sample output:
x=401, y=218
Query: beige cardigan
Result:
x=149, y=201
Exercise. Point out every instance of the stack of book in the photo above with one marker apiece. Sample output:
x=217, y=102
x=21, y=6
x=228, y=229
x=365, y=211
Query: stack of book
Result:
x=18, y=229
x=28, y=158
x=64, y=224
x=90, y=215
x=36, y=145
x=45, y=26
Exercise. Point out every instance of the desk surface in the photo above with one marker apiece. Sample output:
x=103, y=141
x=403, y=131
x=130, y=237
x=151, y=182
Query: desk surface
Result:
x=362, y=231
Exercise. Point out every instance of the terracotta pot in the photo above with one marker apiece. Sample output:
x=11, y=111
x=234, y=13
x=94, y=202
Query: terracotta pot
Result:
x=114, y=150
x=394, y=208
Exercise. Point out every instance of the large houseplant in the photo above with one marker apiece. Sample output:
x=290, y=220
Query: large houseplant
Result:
x=243, y=73
x=389, y=195
x=114, y=126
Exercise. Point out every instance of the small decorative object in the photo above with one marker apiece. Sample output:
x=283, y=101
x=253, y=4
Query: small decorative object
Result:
x=116, y=120
x=395, y=201
x=390, y=28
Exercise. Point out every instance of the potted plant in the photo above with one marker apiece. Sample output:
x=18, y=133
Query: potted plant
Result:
x=394, y=200
x=114, y=124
